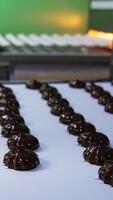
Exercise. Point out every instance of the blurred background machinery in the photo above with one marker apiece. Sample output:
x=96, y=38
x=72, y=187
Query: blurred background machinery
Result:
x=54, y=41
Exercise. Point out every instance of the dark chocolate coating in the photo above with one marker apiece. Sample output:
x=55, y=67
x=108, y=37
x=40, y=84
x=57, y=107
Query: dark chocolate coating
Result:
x=53, y=89
x=109, y=108
x=13, y=106
x=77, y=84
x=33, y=85
x=96, y=87
x=104, y=99
x=22, y=160
x=7, y=109
x=69, y=117
x=87, y=139
x=106, y=173
x=97, y=92
x=23, y=140
x=9, y=102
x=47, y=94
x=14, y=129
x=98, y=155
x=7, y=96
x=10, y=119
x=57, y=100
x=89, y=86
x=53, y=100
x=6, y=90
x=67, y=109
x=77, y=128
x=59, y=109
x=46, y=87
x=106, y=94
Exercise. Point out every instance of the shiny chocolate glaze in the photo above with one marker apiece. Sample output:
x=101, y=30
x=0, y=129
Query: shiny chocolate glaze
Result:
x=59, y=109
x=106, y=173
x=90, y=138
x=23, y=140
x=77, y=84
x=11, y=119
x=14, y=129
x=69, y=117
x=33, y=84
x=109, y=107
x=21, y=159
x=79, y=127
x=97, y=92
x=98, y=155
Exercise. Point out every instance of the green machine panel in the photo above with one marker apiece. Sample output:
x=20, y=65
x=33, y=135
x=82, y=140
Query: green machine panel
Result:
x=102, y=20
x=44, y=16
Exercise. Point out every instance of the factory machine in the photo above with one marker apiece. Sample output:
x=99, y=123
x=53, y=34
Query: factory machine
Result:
x=56, y=133
x=51, y=41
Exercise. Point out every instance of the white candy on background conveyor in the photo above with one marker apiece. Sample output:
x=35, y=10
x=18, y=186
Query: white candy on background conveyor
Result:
x=14, y=40
x=4, y=42
x=26, y=40
x=34, y=40
x=40, y=40
x=59, y=40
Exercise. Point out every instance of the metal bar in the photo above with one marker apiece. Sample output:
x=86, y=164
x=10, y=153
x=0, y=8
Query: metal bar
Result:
x=101, y=5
